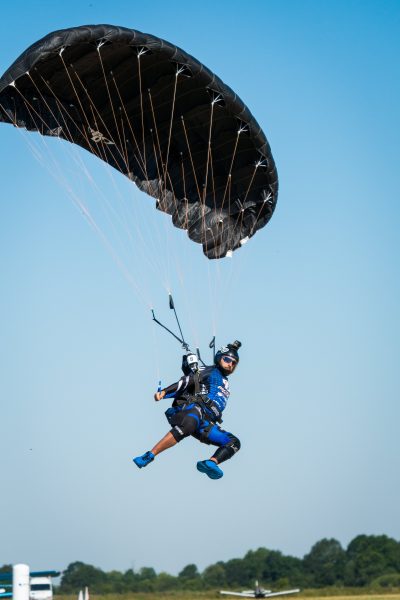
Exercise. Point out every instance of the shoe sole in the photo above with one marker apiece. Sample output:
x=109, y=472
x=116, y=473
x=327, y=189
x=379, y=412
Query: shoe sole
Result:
x=207, y=471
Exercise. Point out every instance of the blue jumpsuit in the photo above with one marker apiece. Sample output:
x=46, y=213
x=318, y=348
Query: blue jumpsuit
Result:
x=198, y=415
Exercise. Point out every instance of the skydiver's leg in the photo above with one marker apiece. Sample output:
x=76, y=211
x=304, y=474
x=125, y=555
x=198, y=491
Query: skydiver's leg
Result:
x=166, y=442
x=185, y=423
x=228, y=444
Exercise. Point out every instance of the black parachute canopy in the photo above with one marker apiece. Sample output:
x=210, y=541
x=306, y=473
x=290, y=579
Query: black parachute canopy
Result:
x=157, y=115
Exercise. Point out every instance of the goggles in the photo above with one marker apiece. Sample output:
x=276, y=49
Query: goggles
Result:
x=229, y=360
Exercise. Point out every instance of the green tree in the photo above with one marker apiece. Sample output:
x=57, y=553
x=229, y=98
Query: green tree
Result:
x=387, y=582
x=277, y=567
x=214, y=576
x=78, y=575
x=130, y=580
x=165, y=582
x=189, y=572
x=369, y=556
x=255, y=562
x=147, y=573
x=325, y=563
x=6, y=569
x=115, y=583
x=237, y=572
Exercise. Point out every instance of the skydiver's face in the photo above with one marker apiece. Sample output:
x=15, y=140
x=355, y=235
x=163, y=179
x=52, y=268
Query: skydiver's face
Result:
x=228, y=364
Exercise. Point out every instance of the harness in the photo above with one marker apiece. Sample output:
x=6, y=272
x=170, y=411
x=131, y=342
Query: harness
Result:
x=203, y=400
x=197, y=398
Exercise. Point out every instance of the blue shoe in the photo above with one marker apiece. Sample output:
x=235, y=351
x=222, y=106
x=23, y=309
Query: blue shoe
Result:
x=210, y=468
x=144, y=460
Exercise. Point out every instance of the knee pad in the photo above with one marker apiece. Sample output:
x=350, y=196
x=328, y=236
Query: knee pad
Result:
x=228, y=450
x=235, y=444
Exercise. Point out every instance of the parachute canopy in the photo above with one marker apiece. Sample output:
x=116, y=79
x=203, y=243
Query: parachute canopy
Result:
x=158, y=116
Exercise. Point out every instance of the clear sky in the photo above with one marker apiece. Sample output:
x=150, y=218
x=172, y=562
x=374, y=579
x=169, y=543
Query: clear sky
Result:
x=314, y=298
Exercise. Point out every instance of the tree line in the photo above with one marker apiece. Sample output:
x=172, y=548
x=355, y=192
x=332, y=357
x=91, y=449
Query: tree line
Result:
x=368, y=560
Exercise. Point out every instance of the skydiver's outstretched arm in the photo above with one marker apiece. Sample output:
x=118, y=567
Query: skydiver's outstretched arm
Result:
x=171, y=390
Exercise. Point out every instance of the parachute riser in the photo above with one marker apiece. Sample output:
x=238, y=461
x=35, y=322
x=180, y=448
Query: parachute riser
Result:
x=181, y=339
x=172, y=307
x=185, y=346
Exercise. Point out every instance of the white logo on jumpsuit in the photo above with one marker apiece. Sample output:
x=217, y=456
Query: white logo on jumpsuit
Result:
x=224, y=391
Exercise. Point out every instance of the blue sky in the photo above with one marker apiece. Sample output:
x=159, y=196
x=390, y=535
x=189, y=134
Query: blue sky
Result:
x=314, y=298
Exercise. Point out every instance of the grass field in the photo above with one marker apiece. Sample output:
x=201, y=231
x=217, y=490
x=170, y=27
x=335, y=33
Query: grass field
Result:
x=304, y=595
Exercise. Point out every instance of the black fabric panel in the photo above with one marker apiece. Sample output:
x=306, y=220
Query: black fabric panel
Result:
x=83, y=85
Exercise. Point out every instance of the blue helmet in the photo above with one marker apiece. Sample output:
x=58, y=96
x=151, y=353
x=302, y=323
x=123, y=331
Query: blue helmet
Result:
x=228, y=350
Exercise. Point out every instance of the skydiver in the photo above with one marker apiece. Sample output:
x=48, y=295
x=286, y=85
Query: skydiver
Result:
x=199, y=400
